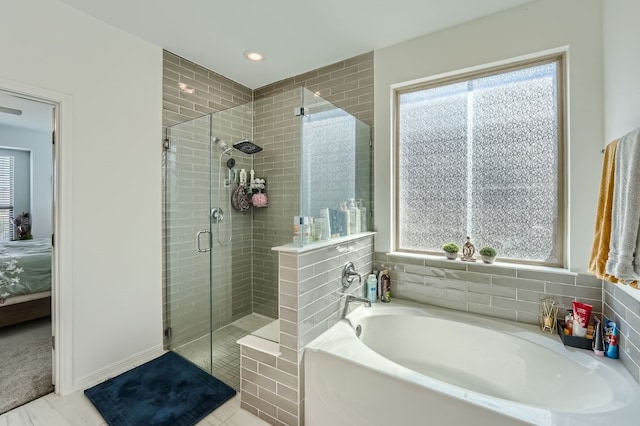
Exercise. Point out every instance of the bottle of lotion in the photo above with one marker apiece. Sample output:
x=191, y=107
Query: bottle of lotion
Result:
x=372, y=288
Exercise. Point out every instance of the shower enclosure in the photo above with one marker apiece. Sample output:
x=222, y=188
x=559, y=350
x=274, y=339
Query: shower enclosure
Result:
x=220, y=273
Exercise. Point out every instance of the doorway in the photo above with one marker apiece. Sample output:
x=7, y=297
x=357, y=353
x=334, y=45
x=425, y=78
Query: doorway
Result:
x=27, y=183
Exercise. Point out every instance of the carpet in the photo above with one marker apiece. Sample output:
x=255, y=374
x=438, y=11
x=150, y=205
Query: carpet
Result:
x=25, y=372
x=168, y=390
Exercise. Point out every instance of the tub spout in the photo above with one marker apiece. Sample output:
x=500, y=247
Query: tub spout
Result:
x=351, y=298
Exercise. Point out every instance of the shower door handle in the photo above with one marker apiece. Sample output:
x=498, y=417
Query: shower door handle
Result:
x=201, y=250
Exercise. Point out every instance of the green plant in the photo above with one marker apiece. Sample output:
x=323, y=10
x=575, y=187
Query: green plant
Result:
x=451, y=248
x=488, y=251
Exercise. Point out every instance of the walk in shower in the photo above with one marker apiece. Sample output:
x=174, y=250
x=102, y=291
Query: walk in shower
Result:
x=221, y=276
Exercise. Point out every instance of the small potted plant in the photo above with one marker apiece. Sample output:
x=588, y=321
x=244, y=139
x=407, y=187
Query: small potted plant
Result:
x=451, y=250
x=488, y=254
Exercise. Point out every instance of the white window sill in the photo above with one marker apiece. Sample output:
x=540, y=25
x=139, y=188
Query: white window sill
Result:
x=480, y=263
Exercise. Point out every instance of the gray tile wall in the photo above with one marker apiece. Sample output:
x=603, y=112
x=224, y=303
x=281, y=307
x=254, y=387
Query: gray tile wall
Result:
x=349, y=85
x=213, y=92
x=310, y=282
x=188, y=202
x=625, y=311
x=277, y=131
x=501, y=292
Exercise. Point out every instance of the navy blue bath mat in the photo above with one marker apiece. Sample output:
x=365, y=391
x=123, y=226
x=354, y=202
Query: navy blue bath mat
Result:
x=168, y=390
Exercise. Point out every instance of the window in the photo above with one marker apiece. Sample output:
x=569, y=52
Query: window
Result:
x=6, y=198
x=481, y=155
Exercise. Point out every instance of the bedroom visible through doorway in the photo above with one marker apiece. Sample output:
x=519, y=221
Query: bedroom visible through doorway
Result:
x=26, y=230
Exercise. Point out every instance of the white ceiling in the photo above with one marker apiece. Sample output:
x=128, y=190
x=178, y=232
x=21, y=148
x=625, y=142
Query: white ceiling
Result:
x=34, y=115
x=295, y=36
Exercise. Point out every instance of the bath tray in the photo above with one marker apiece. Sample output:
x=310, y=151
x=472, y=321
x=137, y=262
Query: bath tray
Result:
x=573, y=341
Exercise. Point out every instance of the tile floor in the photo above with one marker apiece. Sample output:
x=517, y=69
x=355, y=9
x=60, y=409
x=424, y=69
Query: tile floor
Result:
x=226, y=352
x=76, y=410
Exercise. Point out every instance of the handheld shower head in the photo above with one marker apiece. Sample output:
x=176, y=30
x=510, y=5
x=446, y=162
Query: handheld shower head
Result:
x=222, y=145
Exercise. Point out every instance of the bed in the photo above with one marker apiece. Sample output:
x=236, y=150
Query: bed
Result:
x=25, y=280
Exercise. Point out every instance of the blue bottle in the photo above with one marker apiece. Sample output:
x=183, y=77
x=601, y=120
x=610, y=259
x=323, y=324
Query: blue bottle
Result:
x=372, y=288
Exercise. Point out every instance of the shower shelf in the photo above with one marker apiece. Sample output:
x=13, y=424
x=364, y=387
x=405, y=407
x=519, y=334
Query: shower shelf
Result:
x=292, y=248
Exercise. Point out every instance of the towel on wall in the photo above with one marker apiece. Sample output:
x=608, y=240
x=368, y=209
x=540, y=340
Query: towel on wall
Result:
x=602, y=234
x=625, y=214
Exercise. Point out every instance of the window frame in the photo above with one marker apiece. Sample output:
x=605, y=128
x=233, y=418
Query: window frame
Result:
x=9, y=207
x=560, y=60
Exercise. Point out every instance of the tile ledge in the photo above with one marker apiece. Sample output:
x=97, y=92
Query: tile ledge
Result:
x=292, y=248
x=260, y=344
x=510, y=266
x=633, y=292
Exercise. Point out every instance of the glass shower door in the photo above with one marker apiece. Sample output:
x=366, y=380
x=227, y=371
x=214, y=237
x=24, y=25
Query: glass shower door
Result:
x=188, y=301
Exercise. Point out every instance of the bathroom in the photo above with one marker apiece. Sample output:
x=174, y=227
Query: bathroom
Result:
x=603, y=93
x=502, y=292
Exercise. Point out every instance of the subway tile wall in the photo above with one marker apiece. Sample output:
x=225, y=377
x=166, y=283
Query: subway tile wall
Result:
x=272, y=387
x=186, y=195
x=625, y=311
x=349, y=85
x=501, y=292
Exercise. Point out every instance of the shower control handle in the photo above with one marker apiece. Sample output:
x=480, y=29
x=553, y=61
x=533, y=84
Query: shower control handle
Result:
x=203, y=250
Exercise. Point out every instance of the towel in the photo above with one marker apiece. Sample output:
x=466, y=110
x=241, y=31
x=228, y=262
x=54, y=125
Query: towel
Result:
x=602, y=234
x=625, y=213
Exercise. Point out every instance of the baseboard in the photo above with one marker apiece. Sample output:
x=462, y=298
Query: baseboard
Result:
x=99, y=376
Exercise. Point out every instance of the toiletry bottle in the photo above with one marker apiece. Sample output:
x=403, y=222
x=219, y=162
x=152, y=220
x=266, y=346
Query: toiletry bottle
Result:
x=372, y=288
x=345, y=220
x=306, y=229
x=568, y=330
x=363, y=215
x=385, y=284
x=296, y=231
x=318, y=224
x=326, y=228
x=354, y=216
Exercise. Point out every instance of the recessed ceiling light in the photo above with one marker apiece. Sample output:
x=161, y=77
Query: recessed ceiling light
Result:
x=186, y=88
x=254, y=56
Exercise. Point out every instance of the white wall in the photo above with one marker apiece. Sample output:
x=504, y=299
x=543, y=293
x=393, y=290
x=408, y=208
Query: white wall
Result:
x=621, y=72
x=41, y=164
x=621, y=67
x=535, y=27
x=112, y=82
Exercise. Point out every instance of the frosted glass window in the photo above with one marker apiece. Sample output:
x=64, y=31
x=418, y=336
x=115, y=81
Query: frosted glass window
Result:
x=480, y=157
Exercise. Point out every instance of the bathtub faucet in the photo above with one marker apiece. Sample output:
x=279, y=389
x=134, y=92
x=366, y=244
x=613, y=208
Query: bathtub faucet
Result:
x=349, y=274
x=351, y=298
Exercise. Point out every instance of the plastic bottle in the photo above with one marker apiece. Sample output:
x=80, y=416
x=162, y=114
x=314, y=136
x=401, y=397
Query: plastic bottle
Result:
x=297, y=240
x=568, y=320
x=363, y=215
x=345, y=220
x=307, y=222
x=385, y=286
x=372, y=288
x=354, y=216
x=326, y=226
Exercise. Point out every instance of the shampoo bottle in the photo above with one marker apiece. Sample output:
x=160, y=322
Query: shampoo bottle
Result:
x=385, y=286
x=354, y=216
x=345, y=220
x=363, y=215
x=372, y=288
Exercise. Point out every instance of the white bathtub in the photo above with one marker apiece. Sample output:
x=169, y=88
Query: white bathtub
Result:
x=415, y=365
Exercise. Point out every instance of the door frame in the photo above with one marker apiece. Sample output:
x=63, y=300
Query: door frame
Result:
x=61, y=277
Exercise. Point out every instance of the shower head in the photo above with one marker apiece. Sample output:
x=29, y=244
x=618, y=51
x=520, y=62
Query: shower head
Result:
x=223, y=146
x=230, y=163
x=247, y=146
